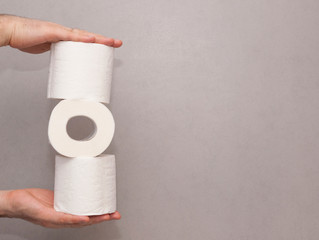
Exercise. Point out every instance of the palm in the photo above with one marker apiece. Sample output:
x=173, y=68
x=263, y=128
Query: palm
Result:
x=36, y=205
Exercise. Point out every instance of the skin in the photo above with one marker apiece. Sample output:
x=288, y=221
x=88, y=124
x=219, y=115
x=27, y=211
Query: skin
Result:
x=35, y=36
x=34, y=204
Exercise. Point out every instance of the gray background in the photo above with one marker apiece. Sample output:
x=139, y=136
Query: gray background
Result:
x=216, y=106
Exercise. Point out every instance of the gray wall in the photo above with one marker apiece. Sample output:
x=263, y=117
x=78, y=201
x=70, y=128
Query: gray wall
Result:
x=216, y=106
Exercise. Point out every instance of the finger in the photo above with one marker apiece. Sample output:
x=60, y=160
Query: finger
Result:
x=100, y=38
x=117, y=43
x=56, y=226
x=64, y=219
x=44, y=47
x=107, y=41
x=104, y=217
x=115, y=216
x=55, y=33
x=99, y=219
x=50, y=224
x=73, y=221
x=68, y=219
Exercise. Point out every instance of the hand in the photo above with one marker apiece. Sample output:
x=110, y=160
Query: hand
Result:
x=35, y=36
x=36, y=205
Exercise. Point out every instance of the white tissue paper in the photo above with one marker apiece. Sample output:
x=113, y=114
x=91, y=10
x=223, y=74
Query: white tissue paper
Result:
x=80, y=71
x=85, y=185
x=90, y=147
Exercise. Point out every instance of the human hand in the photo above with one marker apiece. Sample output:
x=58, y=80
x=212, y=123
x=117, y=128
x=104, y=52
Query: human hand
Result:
x=35, y=36
x=36, y=205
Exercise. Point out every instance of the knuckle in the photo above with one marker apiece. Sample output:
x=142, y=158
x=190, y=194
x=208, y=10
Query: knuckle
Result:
x=75, y=30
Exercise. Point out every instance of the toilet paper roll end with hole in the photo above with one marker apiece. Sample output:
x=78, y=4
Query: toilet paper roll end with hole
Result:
x=93, y=146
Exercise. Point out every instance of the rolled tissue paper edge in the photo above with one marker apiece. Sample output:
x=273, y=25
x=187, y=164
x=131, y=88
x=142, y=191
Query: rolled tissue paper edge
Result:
x=80, y=71
x=85, y=185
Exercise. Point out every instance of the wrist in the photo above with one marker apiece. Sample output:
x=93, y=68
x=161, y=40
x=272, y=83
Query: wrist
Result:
x=6, y=28
x=4, y=204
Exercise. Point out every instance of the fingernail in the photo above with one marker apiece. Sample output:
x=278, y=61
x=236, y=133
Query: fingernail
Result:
x=118, y=42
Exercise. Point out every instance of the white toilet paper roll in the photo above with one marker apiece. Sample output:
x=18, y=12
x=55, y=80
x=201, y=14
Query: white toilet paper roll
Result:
x=94, y=145
x=80, y=71
x=86, y=185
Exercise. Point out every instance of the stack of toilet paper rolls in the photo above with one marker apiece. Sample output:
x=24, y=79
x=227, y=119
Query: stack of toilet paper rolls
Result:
x=81, y=74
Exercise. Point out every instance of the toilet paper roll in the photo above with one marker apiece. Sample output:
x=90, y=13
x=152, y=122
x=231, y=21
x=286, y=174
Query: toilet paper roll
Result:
x=86, y=185
x=92, y=146
x=80, y=71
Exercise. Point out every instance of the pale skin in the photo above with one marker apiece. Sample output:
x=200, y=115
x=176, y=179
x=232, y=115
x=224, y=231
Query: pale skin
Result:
x=34, y=204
